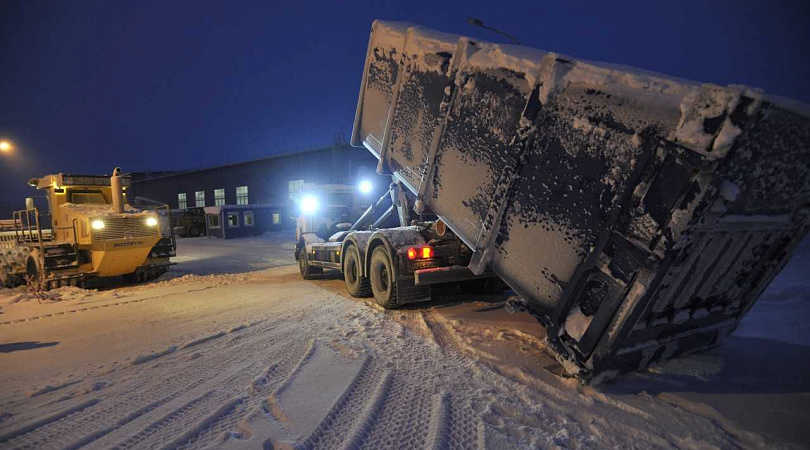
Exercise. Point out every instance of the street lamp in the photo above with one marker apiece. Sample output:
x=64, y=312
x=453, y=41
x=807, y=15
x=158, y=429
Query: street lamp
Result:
x=5, y=146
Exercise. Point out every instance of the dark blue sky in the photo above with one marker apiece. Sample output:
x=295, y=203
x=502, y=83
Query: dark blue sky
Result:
x=162, y=85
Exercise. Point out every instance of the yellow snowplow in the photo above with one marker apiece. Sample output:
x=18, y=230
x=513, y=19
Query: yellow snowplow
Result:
x=93, y=233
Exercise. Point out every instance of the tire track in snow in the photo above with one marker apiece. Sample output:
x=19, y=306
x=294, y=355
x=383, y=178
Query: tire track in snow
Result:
x=36, y=425
x=367, y=418
x=453, y=426
x=204, y=423
x=335, y=410
x=446, y=338
x=414, y=320
x=297, y=369
x=120, y=423
x=203, y=340
x=404, y=417
x=131, y=399
x=437, y=434
x=229, y=387
x=252, y=395
x=163, y=422
x=104, y=305
x=339, y=423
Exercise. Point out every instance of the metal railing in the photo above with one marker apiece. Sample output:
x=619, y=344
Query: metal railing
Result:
x=28, y=227
x=28, y=230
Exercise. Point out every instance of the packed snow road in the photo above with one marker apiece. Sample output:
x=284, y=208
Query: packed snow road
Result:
x=261, y=358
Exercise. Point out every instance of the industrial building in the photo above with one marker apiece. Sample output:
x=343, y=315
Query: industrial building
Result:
x=275, y=180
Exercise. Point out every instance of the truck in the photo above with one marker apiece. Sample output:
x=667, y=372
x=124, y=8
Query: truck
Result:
x=321, y=210
x=636, y=216
x=89, y=231
x=189, y=222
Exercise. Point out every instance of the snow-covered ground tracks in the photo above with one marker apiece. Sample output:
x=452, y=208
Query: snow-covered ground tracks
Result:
x=231, y=349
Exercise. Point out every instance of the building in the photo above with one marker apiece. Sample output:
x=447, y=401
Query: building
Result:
x=273, y=180
x=235, y=221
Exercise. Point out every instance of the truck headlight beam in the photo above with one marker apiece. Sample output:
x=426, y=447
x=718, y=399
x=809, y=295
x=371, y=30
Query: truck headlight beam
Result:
x=97, y=224
x=309, y=205
x=151, y=222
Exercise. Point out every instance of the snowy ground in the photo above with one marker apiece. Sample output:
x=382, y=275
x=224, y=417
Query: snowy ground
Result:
x=254, y=355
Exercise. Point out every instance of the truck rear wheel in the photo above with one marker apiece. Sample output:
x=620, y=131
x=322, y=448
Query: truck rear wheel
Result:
x=356, y=283
x=383, y=283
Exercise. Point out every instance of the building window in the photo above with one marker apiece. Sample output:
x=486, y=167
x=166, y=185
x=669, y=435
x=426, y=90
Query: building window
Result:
x=276, y=218
x=199, y=198
x=296, y=187
x=219, y=197
x=181, y=201
x=248, y=218
x=242, y=195
x=233, y=220
x=213, y=221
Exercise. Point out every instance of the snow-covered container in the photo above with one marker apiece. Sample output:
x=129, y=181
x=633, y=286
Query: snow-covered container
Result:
x=639, y=216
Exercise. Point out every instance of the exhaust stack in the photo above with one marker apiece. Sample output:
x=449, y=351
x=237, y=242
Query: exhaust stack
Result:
x=117, y=192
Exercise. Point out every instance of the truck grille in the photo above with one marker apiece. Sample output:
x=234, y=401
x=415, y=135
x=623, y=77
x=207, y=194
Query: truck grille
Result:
x=125, y=227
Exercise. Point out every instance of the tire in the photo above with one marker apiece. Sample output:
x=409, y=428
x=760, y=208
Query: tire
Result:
x=307, y=271
x=383, y=283
x=192, y=231
x=356, y=284
x=35, y=272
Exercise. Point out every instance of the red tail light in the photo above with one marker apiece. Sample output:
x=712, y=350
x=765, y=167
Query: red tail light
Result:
x=420, y=252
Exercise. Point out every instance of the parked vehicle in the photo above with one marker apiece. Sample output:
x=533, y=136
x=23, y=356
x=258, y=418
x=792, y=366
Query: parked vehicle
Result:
x=637, y=216
x=189, y=222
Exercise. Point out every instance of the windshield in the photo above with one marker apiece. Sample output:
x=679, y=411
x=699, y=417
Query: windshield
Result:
x=341, y=199
x=87, y=198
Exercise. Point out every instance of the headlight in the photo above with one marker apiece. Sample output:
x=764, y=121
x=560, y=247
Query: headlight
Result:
x=365, y=187
x=309, y=205
x=97, y=224
x=151, y=222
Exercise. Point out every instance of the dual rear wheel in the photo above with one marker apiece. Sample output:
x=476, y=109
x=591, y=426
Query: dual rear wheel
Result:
x=380, y=283
x=356, y=283
x=382, y=278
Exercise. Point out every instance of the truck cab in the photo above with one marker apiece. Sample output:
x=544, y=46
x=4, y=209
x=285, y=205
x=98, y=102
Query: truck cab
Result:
x=324, y=209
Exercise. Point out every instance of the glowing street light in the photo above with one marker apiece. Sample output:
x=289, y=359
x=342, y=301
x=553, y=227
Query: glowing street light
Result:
x=6, y=147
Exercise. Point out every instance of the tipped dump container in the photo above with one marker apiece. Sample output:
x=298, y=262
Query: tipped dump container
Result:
x=638, y=216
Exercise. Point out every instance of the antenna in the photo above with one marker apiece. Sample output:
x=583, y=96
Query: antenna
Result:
x=478, y=23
